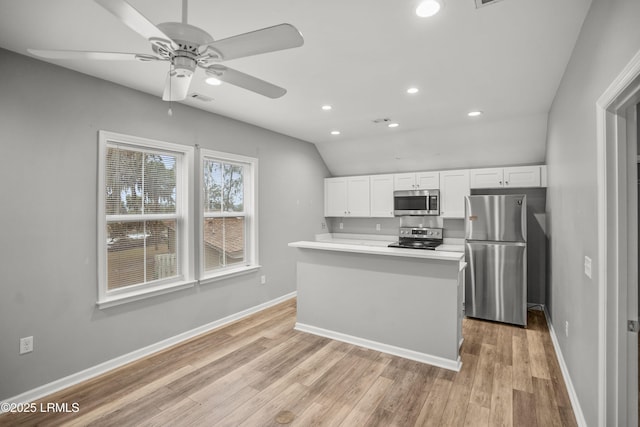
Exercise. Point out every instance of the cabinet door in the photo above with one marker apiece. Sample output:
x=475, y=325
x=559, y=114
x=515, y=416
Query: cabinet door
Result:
x=522, y=176
x=358, y=197
x=486, y=178
x=404, y=181
x=382, y=195
x=454, y=185
x=335, y=197
x=428, y=180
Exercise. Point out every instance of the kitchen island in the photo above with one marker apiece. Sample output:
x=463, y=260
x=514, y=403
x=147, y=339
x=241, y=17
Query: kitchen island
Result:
x=405, y=302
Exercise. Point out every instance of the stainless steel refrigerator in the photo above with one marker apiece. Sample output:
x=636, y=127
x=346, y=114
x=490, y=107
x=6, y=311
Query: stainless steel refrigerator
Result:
x=496, y=256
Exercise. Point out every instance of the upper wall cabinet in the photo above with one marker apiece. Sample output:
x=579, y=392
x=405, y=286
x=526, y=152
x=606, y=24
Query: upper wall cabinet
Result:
x=382, y=195
x=347, y=196
x=454, y=186
x=417, y=181
x=512, y=177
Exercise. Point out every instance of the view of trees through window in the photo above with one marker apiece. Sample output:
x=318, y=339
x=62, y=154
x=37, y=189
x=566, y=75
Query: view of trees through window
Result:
x=224, y=214
x=140, y=185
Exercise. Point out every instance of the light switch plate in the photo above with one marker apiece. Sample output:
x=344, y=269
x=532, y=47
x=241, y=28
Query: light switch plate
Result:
x=587, y=266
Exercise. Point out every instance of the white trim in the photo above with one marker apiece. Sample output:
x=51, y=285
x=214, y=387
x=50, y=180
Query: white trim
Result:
x=607, y=107
x=573, y=396
x=453, y=365
x=225, y=274
x=183, y=216
x=94, y=371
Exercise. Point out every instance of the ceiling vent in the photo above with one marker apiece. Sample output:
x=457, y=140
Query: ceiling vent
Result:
x=200, y=97
x=482, y=3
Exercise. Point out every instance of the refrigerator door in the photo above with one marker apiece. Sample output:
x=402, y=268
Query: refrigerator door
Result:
x=496, y=218
x=496, y=281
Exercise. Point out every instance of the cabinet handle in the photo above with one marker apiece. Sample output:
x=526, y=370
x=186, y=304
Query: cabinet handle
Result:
x=506, y=183
x=500, y=182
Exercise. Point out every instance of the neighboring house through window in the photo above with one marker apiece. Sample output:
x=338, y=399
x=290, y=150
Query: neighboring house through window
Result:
x=228, y=242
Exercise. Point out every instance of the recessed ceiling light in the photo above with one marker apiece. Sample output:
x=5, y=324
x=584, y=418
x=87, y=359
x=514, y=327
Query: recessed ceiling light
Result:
x=474, y=113
x=327, y=107
x=335, y=132
x=413, y=90
x=393, y=125
x=428, y=8
x=213, y=81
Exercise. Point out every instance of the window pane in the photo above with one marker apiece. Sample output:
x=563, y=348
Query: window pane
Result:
x=133, y=184
x=159, y=184
x=212, y=186
x=123, y=176
x=223, y=242
x=233, y=191
x=140, y=252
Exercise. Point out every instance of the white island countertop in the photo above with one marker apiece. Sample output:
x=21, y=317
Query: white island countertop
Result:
x=358, y=244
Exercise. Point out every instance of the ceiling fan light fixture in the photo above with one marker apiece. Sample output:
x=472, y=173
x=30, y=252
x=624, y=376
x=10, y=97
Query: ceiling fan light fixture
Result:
x=428, y=8
x=213, y=81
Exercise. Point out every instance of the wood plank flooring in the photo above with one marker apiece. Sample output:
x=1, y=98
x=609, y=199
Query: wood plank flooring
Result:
x=249, y=372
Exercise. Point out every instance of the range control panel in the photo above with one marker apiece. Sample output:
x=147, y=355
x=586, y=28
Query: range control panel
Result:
x=421, y=233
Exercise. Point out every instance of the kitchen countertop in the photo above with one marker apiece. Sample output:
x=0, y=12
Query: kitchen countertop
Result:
x=377, y=248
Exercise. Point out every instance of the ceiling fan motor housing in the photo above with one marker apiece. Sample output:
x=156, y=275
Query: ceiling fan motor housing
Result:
x=183, y=66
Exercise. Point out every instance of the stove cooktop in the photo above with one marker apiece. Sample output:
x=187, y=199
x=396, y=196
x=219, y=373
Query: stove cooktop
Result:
x=420, y=244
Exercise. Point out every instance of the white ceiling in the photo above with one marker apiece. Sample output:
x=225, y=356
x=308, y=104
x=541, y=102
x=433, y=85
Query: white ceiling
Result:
x=360, y=56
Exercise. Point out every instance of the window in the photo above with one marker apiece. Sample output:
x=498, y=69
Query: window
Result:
x=227, y=238
x=144, y=218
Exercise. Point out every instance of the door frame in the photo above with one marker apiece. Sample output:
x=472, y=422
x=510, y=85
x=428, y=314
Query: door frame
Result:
x=613, y=147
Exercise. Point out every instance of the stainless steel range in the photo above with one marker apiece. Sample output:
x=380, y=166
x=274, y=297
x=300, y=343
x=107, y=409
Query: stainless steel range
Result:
x=418, y=238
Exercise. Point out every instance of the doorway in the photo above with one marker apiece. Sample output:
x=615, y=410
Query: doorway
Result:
x=618, y=230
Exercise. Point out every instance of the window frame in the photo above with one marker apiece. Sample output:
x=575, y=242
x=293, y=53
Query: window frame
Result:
x=184, y=214
x=250, y=198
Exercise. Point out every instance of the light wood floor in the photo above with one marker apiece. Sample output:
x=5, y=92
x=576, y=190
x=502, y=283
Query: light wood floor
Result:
x=247, y=373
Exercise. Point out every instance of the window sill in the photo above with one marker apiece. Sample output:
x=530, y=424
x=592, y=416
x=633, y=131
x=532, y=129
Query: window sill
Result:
x=225, y=274
x=114, y=300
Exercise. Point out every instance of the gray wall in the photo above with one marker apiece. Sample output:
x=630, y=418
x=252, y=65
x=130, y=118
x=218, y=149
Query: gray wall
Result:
x=50, y=117
x=609, y=38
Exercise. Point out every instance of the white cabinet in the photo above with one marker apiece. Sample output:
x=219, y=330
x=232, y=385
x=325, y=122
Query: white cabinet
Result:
x=347, y=196
x=454, y=186
x=523, y=176
x=382, y=195
x=417, y=181
x=512, y=177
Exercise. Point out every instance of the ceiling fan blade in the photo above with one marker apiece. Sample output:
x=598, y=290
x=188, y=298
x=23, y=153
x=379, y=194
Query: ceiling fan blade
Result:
x=137, y=22
x=105, y=56
x=245, y=81
x=279, y=37
x=176, y=86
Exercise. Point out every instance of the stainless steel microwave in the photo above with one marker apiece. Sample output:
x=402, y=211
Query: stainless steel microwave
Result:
x=416, y=202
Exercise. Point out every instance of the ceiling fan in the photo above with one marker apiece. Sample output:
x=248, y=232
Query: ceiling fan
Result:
x=187, y=47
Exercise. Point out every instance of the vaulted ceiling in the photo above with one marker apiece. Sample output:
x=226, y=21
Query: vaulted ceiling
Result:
x=359, y=56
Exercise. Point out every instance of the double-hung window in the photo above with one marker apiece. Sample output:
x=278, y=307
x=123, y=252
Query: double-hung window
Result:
x=228, y=238
x=144, y=216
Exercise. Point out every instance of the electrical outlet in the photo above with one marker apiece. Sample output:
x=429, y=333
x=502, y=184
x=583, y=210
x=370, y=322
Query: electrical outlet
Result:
x=587, y=266
x=263, y=279
x=566, y=328
x=377, y=227
x=341, y=226
x=26, y=345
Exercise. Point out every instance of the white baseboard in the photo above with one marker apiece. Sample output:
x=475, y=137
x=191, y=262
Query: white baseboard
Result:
x=94, y=371
x=573, y=397
x=453, y=365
